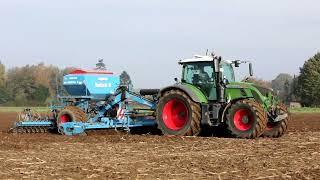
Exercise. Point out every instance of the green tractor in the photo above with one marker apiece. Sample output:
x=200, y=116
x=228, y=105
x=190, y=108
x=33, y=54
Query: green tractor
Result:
x=209, y=96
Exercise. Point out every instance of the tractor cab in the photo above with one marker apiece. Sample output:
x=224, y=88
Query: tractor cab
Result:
x=200, y=72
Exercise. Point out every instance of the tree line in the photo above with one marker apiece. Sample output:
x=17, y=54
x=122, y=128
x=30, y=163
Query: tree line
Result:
x=32, y=85
x=37, y=85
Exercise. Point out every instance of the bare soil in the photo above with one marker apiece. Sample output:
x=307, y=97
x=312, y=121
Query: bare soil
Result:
x=123, y=156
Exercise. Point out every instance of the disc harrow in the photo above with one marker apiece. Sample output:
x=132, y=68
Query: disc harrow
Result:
x=29, y=130
x=31, y=122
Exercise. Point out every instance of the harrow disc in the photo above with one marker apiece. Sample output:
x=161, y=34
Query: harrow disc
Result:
x=29, y=115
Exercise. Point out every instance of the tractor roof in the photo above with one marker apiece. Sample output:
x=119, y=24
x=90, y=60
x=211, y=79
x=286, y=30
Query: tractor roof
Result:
x=199, y=58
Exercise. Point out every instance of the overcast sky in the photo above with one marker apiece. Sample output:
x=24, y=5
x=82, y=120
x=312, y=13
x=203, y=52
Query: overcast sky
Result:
x=148, y=37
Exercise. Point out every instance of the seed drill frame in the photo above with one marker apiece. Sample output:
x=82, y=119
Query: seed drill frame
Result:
x=107, y=105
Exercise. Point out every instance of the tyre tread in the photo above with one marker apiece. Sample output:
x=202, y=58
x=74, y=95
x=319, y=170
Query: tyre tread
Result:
x=195, y=127
x=260, y=125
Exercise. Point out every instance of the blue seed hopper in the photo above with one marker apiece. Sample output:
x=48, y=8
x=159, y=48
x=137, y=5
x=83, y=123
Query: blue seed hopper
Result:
x=97, y=85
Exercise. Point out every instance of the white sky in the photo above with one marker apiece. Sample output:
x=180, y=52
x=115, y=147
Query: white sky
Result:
x=148, y=37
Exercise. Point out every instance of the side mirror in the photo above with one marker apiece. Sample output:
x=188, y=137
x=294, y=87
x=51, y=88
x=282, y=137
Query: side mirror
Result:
x=237, y=63
x=250, y=69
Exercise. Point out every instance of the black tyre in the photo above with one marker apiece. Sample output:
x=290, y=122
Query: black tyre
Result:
x=178, y=115
x=278, y=129
x=246, y=119
x=71, y=114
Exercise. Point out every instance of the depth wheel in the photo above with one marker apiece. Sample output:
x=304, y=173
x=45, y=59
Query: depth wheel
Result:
x=278, y=129
x=178, y=115
x=71, y=114
x=246, y=119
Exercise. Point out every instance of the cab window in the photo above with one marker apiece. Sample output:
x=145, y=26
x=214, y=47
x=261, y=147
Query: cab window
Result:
x=228, y=72
x=195, y=73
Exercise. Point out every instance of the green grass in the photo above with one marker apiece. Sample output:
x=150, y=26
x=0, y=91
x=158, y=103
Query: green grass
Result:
x=19, y=109
x=305, y=110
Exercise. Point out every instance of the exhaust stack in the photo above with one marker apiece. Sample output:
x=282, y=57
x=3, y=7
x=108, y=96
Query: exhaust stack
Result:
x=219, y=79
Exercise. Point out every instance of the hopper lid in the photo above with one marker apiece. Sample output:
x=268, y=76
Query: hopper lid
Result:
x=81, y=71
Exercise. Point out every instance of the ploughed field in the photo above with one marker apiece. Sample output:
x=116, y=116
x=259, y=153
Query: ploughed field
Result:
x=118, y=155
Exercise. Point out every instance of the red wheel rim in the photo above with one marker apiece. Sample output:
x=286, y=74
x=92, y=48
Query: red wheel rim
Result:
x=65, y=118
x=175, y=114
x=243, y=119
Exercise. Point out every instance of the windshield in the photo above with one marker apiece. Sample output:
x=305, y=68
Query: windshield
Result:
x=203, y=71
x=228, y=72
x=195, y=73
x=201, y=75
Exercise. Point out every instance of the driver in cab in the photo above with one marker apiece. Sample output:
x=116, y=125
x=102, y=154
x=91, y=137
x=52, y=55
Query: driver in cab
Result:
x=200, y=76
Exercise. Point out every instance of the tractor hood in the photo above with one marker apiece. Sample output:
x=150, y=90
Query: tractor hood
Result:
x=262, y=89
x=239, y=85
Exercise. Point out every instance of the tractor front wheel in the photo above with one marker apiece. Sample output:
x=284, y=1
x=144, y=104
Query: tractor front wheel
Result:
x=278, y=129
x=246, y=119
x=178, y=115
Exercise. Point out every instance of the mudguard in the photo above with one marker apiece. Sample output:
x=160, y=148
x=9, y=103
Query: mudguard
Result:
x=194, y=93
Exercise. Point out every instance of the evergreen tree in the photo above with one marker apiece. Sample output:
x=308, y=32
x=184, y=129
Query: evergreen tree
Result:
x=125, y=79
x=309, y=82
x=100, y=65
x=294, y=92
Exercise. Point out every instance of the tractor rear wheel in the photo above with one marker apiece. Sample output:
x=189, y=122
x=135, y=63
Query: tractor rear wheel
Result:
x=71, y=114
x=278, y=129
x=246, y=119
x=178, y=115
